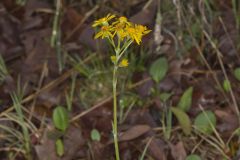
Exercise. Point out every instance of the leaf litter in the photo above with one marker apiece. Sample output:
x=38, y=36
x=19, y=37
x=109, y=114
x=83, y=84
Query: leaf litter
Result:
x=24, y=45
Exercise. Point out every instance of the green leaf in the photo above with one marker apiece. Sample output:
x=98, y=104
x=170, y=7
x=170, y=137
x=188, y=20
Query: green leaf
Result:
x=183, y=120
x=237, y=73
x=95, y=135
x=165, y=96
x=159, y=69
x=59, y=147
x=60, y=118
x=186, y=100
x=193, y=157
x=226, y=85
x=205, y=122
x=237, y=132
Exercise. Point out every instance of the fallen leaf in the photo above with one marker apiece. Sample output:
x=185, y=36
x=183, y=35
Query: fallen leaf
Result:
x=46, y=150
x=227, y=121
x=178, y=151
x=156, y=149
x=134, y=132
x=73, y=143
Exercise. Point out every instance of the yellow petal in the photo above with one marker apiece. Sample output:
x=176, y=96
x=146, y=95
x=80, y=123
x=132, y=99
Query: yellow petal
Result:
x=99, y=34
x=124, y=63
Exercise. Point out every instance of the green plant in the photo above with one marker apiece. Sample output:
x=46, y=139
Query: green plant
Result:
x=3, y=69
x=145, y=149
x=193, y=157
x=95, y=135
x=17, y=98
x=227, y=85
x=59, y=147
x=205, y=121
x=236, y=73
x=126, y=103
x=167, y=123
x=159, y=69
x=97, y=80
x=69, y=96
x=56, y=35
x=235, y=5
x=183, y=119
x=125, y=33
x=16, y=142
x=61, y=122
x=185, y=101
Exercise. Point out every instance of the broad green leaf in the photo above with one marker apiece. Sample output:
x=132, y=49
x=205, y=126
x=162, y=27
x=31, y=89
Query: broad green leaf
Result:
x=183, y=120
x=205, y=122
x=193, y=157
x=59, y=147
x=237, y=73
x=185, y=101
x=95, y=135
x=226, y=85
x=159, y=69
x=60, y=118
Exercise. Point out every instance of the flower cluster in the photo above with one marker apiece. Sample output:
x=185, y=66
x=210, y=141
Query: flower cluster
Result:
x=121, y=28
x=123, y=32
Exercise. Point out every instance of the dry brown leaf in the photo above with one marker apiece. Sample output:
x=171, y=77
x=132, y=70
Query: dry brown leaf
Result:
x=73, y=142
x=178, y=151
x=156, y=149
x=134, y=132
x=229, y=120
x=46, y=150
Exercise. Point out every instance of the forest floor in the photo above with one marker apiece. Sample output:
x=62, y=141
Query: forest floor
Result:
x=178, y=98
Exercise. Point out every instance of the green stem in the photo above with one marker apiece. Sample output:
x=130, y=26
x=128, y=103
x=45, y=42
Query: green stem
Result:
x=115, y=130
x=125, y=47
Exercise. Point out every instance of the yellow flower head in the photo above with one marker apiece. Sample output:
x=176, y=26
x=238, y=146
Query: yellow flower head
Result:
x=103, y=21
x=113, y=59
x=119, y=30
x=134, y=34
x=104, y=32
x=124, y=20
x=142, y=29
x=124, y=63
x=121, y=27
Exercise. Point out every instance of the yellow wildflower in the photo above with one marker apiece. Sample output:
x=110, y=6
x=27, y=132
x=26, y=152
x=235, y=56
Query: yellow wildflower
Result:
x=119, y=30
x=122, y=34
x=121, y=27
x=124, y=63
x=103, y=21
x=142, y=29
x=113, y=59
x=134, y=34
x=122, y=20
x=104, y=32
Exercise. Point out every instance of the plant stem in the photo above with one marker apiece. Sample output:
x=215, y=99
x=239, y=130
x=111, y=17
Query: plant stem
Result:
x=115, y=130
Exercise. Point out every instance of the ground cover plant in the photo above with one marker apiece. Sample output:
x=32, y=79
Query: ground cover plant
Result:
x=111, y=80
